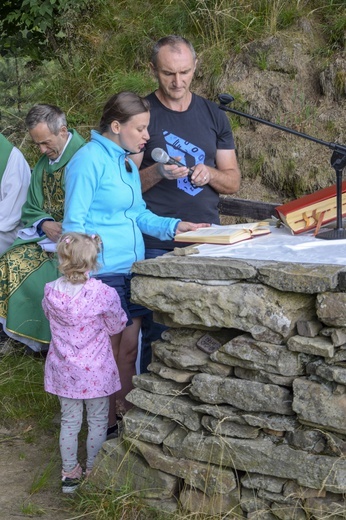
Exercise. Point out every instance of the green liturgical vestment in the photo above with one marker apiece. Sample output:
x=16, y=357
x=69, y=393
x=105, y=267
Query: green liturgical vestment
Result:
x=25, y=267
x=5, y=152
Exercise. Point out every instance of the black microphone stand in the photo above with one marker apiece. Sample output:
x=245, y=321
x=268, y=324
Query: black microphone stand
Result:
x=338, y=162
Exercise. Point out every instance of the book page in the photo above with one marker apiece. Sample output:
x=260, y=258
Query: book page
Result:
x=224, y=234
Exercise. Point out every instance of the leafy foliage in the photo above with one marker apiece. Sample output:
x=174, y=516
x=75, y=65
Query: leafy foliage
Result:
x=76, y=53
x=37, y=28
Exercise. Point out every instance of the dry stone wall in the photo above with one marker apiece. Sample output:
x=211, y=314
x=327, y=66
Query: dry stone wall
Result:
x=243, y=412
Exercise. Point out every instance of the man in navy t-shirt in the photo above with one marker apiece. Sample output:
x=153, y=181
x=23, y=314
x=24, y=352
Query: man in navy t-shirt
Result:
x=195, y=131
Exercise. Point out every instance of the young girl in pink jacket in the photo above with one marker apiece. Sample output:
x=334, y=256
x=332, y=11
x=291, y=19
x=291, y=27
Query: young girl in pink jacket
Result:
x=80, y=367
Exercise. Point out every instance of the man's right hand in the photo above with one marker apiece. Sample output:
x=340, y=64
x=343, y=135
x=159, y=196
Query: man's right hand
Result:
x=52, y=230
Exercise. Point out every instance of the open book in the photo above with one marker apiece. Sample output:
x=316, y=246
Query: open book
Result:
x=312, y=211
x=224, y=234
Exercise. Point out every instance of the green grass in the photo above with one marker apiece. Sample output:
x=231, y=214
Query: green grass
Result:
x=23, y=398
x=109, y=49
x=42, y=477
x=32, y=510
x=106, y=505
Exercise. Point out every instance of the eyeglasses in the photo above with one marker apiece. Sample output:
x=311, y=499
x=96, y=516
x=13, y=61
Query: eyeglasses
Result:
x=128, y=166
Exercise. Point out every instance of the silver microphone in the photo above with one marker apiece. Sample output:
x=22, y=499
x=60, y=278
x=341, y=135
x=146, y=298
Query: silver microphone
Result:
x=160, y=156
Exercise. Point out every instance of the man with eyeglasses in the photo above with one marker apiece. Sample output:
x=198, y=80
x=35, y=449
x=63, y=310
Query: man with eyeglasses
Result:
x=30, y=263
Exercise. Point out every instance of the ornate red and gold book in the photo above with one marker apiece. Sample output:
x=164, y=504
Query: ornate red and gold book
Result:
x=312, y=211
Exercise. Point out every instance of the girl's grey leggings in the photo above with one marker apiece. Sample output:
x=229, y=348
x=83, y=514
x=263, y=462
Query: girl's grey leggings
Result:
x=71, y=422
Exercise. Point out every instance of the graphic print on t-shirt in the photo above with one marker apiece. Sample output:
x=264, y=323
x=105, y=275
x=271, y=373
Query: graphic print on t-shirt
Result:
x=177, y=146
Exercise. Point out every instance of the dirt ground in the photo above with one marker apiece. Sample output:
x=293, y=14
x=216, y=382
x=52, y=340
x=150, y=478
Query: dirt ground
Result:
x=21, y=464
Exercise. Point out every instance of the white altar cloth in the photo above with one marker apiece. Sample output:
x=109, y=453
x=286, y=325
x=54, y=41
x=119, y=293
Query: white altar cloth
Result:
x=281, y=246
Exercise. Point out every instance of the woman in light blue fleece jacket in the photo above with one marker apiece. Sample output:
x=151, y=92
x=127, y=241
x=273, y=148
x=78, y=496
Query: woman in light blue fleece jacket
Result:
x=103, y=196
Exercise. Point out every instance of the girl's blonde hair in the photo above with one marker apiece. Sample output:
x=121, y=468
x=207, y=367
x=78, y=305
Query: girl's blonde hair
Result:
x=77, y=253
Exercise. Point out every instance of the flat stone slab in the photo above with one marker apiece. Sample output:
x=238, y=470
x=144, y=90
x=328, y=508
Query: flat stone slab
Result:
x=285, y=276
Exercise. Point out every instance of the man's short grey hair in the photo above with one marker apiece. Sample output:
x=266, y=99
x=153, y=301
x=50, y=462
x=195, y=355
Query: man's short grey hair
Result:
x=53, y=116
x=174, y=41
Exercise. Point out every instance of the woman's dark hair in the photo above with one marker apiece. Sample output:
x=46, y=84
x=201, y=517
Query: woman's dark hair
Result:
x=121, y=107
